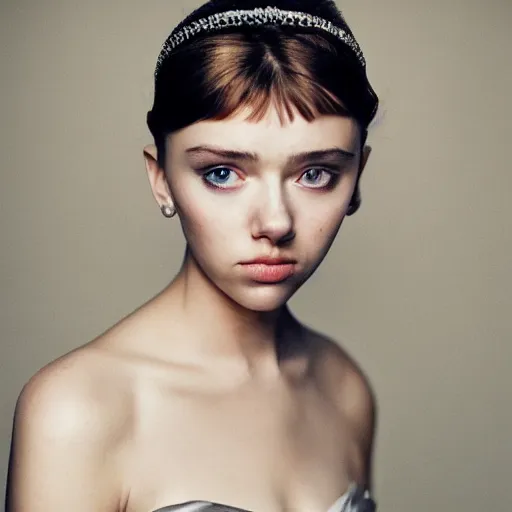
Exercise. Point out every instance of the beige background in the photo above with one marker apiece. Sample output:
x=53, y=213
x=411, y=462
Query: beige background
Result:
x=418, y=286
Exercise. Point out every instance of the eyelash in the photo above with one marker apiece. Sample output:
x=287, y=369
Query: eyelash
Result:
x=332, y=180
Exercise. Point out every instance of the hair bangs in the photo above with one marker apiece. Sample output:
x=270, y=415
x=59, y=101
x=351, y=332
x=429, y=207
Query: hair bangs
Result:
x=253, y=71
x=236, y=86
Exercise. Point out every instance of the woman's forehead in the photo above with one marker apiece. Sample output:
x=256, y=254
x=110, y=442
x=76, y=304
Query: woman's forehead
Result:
x=271, y=134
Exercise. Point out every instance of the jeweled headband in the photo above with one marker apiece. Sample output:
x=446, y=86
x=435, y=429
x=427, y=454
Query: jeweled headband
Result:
x=252, y=18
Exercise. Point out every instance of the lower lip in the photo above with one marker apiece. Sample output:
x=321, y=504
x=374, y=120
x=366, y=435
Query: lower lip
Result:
x=264, y=273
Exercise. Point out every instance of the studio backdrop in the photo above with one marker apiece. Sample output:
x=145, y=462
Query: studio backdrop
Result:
x=417, y=286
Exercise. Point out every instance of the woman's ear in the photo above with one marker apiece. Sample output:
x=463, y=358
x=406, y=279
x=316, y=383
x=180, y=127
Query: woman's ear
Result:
x=365, y=155
x=355, y=202
x=157, y=177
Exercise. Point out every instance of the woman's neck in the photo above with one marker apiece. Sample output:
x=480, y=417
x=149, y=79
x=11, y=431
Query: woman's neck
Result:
x=219, y=328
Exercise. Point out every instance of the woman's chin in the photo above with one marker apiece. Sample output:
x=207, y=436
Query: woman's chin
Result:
x=263, y=298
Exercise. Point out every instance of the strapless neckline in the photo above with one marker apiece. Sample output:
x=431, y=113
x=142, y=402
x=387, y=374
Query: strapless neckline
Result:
x=356, y=499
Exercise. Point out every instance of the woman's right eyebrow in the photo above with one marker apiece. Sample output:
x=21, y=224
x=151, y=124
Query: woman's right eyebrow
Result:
x=223, y=153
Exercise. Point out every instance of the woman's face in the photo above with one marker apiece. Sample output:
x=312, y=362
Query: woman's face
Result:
x=261, y=202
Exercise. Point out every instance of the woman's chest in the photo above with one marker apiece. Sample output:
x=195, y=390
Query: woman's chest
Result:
x=256, y=451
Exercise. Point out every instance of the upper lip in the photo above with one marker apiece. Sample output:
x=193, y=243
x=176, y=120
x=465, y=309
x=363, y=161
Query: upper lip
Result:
x=266, y=260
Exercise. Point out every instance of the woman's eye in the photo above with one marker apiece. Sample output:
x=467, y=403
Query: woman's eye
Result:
x=316, y=178
x=221, y=177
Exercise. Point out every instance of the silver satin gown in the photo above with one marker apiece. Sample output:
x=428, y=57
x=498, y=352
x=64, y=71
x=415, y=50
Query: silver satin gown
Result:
x=354, y=500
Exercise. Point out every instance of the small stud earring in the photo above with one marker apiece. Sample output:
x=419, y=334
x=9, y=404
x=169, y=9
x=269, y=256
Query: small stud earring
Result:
x=168, y=211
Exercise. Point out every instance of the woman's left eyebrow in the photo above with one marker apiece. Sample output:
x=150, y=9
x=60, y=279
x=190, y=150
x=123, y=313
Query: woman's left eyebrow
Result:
x=334, y=154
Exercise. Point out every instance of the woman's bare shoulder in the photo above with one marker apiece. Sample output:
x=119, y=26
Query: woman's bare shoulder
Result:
x=345, y=385
x=83, y=393
x=341, y=377
x=71, y=426
x=97, y=380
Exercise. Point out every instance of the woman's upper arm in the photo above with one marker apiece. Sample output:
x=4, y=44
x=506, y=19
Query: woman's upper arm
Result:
x=355, y=400
x=360, y=409
x=62, y=455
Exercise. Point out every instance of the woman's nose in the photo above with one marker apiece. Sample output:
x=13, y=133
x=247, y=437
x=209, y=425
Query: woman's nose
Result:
x=273, y=217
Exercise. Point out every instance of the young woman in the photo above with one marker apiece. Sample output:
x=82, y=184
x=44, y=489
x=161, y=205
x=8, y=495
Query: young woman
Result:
x=212, y=396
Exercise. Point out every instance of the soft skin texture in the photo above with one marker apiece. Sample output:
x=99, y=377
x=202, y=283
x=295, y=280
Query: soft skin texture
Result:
x=269, y=209
x=213, y=390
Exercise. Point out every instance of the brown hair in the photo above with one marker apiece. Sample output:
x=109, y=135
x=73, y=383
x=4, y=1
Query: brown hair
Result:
x=217, y=76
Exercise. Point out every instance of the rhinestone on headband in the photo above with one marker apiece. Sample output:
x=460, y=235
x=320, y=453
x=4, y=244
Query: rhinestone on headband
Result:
x=255, y=17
